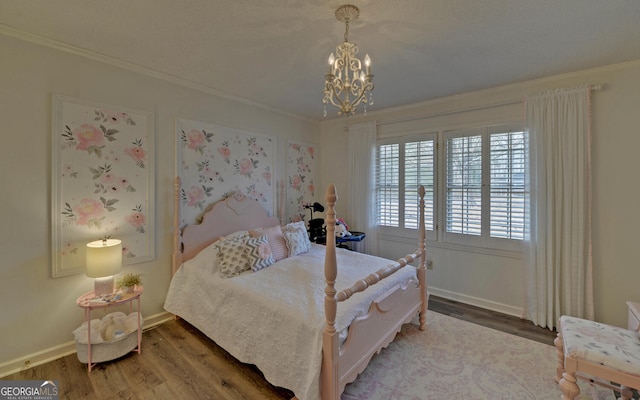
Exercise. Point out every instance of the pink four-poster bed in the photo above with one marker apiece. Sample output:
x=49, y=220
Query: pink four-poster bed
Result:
x=324, y=347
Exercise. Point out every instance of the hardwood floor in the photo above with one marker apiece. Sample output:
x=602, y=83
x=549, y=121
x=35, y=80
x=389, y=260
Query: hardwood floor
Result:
x=179, y=362
x=492, y=319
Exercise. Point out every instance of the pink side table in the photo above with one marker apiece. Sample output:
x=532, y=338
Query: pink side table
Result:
x=89, y=302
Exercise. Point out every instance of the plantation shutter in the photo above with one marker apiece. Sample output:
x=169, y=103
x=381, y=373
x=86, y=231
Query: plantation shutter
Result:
x=419, y=170
x=507, y=189
x=388, y=184
x=464, y=185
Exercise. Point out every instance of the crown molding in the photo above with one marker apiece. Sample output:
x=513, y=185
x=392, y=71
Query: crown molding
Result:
x=92, y=55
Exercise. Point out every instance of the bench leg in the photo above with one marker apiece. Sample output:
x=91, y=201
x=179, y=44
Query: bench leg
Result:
x=625, y=393
x=570, y=389
x=560, y=350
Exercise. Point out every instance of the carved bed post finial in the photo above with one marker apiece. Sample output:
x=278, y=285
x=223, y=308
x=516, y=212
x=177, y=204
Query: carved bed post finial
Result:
x=422, y=269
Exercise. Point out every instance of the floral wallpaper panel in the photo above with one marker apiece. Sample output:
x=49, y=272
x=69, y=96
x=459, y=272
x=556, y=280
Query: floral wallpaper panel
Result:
x=301, y=181
x=102, y=181
x=215, y=161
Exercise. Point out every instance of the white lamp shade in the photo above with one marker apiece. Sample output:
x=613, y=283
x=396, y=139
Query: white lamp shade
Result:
x=104, y=258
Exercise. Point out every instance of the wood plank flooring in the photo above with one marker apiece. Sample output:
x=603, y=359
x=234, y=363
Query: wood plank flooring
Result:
x=179, y=362
x=492, y=319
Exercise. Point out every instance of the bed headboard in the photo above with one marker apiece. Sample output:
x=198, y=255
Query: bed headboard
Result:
x=234, y=213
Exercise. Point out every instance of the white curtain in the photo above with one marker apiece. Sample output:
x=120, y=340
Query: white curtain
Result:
x=558, y=257
x=362, y=175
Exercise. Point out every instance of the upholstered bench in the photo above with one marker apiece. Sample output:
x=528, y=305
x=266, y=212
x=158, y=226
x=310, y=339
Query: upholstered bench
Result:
x=599, y=353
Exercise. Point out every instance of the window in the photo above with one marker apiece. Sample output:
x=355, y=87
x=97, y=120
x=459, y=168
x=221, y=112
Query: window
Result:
x=403, y=165
x=482, y=185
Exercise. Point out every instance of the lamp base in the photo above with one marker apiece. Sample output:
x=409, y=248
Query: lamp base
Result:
x=102, y=286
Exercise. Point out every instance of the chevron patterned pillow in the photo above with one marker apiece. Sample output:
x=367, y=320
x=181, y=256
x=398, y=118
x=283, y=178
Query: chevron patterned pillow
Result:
x=258, y=253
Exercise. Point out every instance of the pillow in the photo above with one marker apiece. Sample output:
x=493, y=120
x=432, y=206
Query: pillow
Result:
x=294, y=226
x=299, y=227
x=297, y=242
x=232, y=258
x=239, y=235
x=258, y=253
x=275, y=239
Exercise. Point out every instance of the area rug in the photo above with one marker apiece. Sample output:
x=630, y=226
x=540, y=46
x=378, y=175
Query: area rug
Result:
x=455, y=359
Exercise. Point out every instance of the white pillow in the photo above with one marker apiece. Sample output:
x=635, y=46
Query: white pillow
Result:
x=302, y=229
x=294, y=226
x=297, y=242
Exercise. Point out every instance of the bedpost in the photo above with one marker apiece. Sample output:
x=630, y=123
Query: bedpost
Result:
x=330, y=356
x=281, y=202
x=177, y=253
x=422, y=270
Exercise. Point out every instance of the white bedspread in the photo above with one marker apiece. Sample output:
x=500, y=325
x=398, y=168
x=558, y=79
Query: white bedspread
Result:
x=274, y=318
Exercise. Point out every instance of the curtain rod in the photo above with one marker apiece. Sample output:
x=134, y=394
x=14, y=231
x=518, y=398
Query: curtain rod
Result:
x=596, y=87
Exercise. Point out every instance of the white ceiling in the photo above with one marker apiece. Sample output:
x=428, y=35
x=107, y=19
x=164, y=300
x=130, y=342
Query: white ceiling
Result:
x=273, y=52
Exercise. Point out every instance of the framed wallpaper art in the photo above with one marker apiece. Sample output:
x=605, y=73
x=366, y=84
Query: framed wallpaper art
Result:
x=102, y=181
x=215, y=161
x=301, y=182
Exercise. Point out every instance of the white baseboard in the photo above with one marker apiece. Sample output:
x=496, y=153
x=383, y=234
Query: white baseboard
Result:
x=53, y=353
x=478, y=302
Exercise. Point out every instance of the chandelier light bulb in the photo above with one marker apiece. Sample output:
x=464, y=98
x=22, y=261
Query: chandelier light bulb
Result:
x=332, y=64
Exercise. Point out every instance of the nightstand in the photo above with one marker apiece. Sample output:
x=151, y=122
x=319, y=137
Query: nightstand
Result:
x=89, y=302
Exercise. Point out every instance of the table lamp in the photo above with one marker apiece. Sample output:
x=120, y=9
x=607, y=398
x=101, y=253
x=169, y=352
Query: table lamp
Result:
x=104, y=260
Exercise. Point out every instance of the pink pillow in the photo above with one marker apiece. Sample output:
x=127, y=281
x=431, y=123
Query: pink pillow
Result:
x=276, y=241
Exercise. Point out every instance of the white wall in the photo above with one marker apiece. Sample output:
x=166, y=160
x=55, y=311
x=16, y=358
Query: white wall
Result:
x=497, y=281
x=38, y=312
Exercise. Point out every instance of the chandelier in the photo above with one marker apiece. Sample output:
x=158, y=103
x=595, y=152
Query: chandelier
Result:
x=346, y=83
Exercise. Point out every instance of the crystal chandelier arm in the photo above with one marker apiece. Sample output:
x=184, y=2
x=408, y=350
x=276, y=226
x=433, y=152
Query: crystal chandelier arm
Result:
x=335, y=83
x=367, y=87
x=355, y=65
x=330, y=94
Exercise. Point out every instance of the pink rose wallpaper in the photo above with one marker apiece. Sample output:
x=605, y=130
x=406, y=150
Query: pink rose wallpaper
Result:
x=215, y=161
x=102, y=181
x=300, y=181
